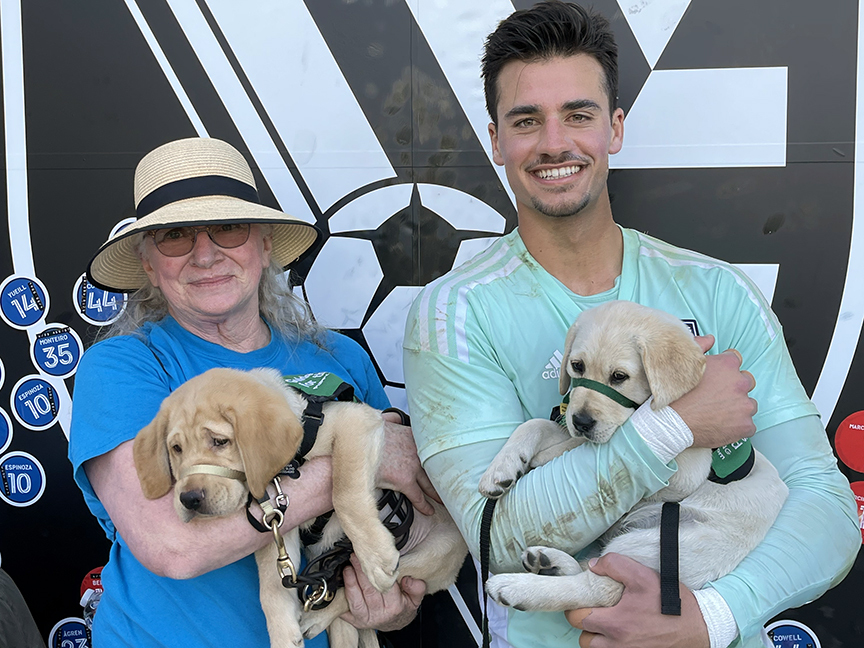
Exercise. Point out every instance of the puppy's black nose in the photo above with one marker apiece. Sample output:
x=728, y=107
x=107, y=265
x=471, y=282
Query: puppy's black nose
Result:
x=192, y=499
x=583, y=423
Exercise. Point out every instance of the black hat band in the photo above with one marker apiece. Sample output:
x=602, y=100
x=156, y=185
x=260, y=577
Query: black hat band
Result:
x=198, y=187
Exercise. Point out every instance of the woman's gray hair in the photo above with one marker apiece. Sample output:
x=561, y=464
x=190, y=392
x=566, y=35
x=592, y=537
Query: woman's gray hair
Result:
x=287, y=314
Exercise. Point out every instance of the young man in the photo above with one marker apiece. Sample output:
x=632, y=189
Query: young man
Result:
x=478, y=341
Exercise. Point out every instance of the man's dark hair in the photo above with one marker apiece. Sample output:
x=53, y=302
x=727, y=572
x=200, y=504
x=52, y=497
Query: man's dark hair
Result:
x=546, y=30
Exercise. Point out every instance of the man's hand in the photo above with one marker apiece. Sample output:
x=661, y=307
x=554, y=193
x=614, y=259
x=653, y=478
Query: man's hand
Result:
x=392, y=610
x=718, y=410
x=635, y=621
x=400, y=468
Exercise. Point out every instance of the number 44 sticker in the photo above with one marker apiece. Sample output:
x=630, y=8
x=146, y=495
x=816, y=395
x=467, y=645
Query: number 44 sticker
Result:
x=96, y=306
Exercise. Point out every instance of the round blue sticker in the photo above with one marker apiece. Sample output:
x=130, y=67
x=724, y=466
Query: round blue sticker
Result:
x=792, y=634
x=35, y=403
x=56, y=351
x=23, y=301
x=2, y=372
x=22, y=479
x=69, y=633
x=97, y=306
x=5, y=430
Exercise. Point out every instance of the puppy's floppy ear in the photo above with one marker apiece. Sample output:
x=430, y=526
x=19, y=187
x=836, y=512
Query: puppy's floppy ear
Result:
x=266, y=431
x=150, y=452
x=672, y=360
x=563, y=376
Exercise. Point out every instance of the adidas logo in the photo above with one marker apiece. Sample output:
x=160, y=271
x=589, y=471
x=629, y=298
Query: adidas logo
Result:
x=553, y=367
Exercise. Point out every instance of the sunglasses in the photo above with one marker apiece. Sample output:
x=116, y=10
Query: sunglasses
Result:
x=177, y=241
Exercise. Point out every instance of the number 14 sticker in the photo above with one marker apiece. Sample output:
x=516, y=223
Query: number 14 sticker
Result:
x=23, y=301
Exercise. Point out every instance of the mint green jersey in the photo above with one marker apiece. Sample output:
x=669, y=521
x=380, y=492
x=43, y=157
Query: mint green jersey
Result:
x=483, y=350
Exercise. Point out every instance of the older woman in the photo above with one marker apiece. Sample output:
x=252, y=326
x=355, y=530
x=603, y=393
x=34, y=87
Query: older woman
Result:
x=204, y=261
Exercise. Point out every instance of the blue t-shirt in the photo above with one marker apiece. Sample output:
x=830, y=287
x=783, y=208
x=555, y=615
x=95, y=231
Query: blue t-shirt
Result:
x=119, y=387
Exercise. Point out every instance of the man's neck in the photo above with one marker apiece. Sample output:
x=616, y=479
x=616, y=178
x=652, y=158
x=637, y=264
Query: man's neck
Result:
x=584, y=252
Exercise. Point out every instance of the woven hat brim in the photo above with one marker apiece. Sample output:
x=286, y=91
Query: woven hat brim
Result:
x=116, y=266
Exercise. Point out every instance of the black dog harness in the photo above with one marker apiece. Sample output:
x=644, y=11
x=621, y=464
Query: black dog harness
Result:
x=317, y=583
x=317, y=388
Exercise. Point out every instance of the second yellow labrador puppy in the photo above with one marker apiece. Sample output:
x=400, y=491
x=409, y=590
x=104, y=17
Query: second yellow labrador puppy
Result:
x=616, y=356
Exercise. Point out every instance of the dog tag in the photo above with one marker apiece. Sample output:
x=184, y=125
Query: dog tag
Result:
x=731, y=462
x=292, y=470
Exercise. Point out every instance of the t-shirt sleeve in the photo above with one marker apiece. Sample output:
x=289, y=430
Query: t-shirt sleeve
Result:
x=814, y=541
x=360, y=369
x=746, y=322
x=119, y=387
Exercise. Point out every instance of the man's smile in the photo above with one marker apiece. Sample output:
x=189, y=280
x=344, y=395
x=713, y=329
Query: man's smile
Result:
x=554, y=174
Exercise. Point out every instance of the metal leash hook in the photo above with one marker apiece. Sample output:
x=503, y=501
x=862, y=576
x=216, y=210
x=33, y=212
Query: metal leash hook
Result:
x=281, y=498
x=283, y=560
x=321, y=594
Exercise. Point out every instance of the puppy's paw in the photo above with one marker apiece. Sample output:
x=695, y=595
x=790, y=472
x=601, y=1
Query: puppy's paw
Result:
x=502, y=474
x=547, y=561
x=285, y=635
x=508, y=590
x=380, y=564
x=314, y=622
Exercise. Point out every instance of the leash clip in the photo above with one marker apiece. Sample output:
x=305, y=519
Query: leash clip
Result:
x=321, y=594
x=281, y=498
x=284, y=566
x=283, y=560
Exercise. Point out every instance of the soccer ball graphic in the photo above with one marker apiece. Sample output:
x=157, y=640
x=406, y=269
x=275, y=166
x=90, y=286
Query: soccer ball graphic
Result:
x=383, y=247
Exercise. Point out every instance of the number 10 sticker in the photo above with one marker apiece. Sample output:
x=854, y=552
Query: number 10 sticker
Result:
x=56, y=351
x=35, y=403
x=23, y=301
x=5, y=430
x=22, y=479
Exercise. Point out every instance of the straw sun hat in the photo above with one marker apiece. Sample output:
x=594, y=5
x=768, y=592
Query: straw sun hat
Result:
x=195, y=181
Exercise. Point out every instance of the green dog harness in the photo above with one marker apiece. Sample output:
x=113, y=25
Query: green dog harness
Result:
x=728, y=463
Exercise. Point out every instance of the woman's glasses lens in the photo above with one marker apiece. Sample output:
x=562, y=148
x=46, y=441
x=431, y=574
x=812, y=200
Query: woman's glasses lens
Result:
x=177, y=241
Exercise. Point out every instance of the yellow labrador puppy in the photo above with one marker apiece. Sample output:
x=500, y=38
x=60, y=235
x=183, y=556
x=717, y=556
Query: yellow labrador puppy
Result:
x=637, y=352
x=247, y=425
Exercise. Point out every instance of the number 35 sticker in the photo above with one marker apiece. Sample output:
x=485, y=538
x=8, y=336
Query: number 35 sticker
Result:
x=56, y=351
x=22, y=479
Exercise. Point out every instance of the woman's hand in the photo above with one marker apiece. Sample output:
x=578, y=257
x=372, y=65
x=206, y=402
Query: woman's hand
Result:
x=400, y=468
x=391, y=610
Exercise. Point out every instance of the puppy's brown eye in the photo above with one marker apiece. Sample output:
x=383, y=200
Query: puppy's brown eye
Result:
x=220, y=442
x=176, y=448
x=618, y=377
x=578, y=366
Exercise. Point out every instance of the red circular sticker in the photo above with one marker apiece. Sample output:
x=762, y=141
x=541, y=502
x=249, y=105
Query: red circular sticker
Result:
x=849, y=441
x=93, y=580
x=858, y=489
